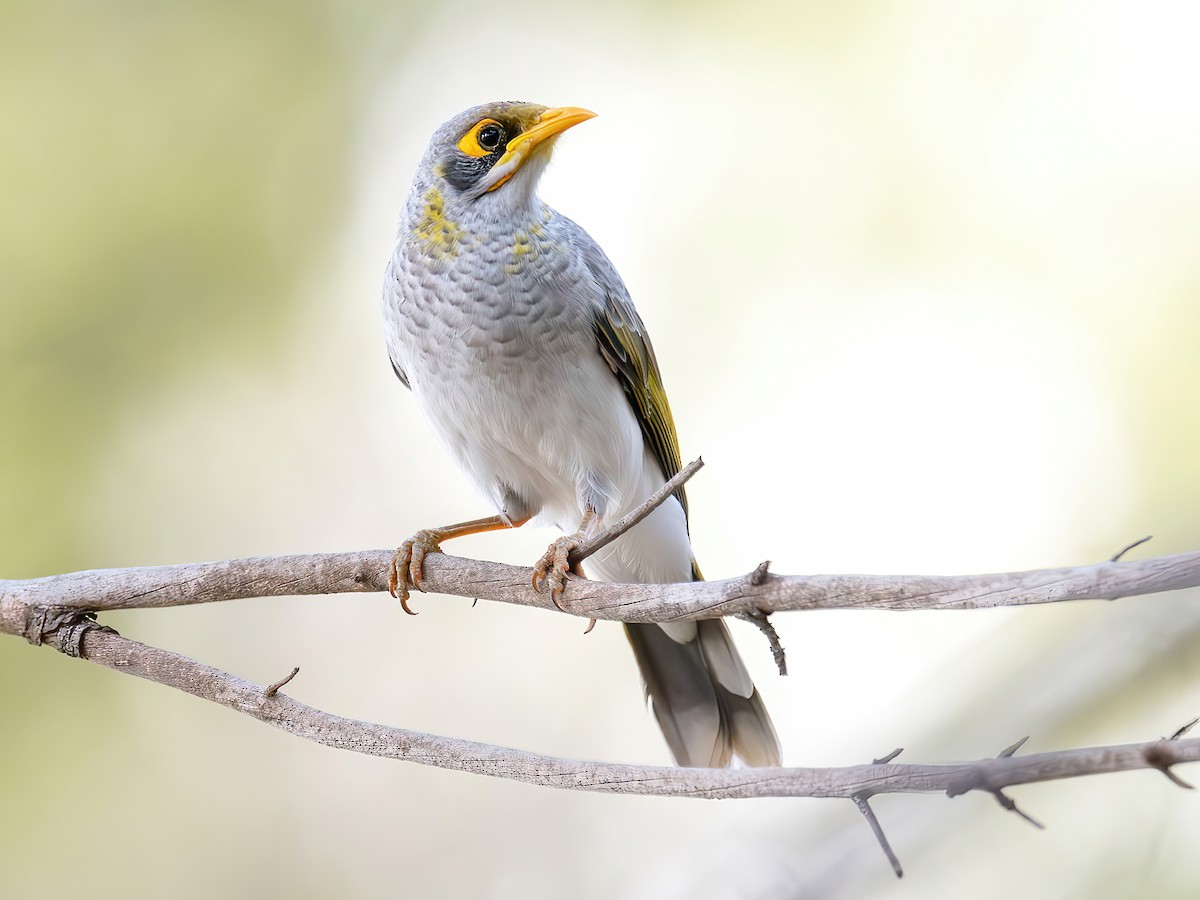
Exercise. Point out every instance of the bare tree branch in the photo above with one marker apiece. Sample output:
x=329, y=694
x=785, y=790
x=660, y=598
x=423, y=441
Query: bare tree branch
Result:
x=60, y=610
x=335, y=573
x=106, y=648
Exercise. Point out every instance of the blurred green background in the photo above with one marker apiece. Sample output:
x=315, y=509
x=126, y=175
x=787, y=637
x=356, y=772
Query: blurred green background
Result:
x=923, y=281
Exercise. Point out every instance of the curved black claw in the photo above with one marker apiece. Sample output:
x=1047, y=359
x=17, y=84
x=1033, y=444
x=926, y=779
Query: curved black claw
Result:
x=408, y=564
x=552, y=569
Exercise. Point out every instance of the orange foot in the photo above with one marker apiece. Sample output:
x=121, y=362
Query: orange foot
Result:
x=408, y=563
x=551, y=570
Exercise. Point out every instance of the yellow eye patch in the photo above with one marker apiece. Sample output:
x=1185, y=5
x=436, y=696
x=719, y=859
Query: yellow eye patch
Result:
x=483, y=138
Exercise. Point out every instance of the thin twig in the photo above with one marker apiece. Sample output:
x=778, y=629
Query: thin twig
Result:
x=763, y=623
x=1184, y=729
x=273, y=689
x=1137, y=543
x=864, y=807
x=862, y=801
x=622, y=525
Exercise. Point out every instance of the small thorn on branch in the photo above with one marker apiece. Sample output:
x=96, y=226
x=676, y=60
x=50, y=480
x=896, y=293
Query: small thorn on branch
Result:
x=1137, y=543
x=1007, y=802
x=1176, y=780
x=884, y=760
x=622, y=525
x=762, y=622
x=1162, y=758
x=759, y=575
x=1010, y=750
x=273, y=689
x=1184, y=730
x=977, y=780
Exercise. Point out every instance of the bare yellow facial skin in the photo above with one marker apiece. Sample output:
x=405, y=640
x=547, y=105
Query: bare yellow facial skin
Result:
x=470, y=141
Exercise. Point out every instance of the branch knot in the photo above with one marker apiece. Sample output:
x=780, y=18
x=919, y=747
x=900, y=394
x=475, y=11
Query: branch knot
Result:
x=62, y=626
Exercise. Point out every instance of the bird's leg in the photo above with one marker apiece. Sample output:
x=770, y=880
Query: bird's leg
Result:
x=551, y=570
x=408, y=563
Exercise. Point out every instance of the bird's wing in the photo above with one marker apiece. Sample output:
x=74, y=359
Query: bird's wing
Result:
x=625, y=346
x=400, y=373
x=390, y=301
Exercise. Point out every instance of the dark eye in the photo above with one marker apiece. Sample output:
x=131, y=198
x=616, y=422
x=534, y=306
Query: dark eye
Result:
x=490, y=137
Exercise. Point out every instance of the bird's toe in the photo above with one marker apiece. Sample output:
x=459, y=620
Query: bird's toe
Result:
x=408, y=565
x=551, y=570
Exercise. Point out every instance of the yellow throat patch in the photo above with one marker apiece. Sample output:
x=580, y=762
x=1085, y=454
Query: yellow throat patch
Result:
x=525, y=243
x=437, y=234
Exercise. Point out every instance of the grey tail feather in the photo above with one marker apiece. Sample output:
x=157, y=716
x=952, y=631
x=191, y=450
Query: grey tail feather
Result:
x=705, y=723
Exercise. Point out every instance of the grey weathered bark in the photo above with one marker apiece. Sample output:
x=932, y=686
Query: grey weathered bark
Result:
x=335, y=573
x=59, y=611
x=51, y=609
x=106, y=648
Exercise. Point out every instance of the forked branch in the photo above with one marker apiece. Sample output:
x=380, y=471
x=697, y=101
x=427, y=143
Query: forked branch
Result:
x=60, y=611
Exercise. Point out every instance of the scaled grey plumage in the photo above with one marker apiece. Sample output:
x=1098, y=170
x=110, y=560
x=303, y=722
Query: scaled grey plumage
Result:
x=523, y=348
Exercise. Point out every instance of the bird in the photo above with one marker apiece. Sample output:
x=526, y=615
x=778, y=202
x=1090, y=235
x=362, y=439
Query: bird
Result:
x=523, y=349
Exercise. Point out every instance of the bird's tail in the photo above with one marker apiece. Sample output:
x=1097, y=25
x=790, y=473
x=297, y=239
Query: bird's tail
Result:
x=702, y=696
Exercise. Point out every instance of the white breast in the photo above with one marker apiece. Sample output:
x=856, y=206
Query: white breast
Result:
x=504, y=362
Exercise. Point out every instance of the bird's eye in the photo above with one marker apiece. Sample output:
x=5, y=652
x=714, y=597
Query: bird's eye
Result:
x=490, y=136
x=483, y=139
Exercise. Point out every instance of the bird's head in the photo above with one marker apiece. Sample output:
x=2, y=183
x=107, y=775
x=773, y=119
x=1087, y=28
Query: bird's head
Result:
x=495, y=153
